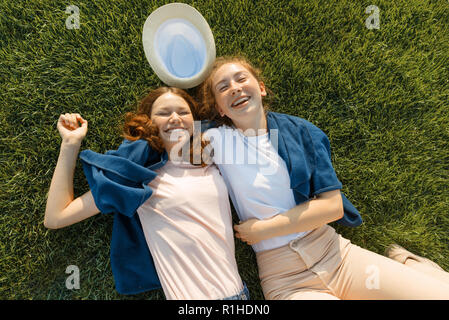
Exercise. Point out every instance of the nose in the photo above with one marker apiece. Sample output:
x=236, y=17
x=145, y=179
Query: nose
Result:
x=174, y=117
x=235, y=87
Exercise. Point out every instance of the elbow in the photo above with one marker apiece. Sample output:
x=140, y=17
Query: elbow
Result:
x=334, y=205
x=50, y=223
x=340, y=214
x=339, y=210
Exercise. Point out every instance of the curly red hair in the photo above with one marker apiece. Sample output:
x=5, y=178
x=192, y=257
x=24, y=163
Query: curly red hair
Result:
x=138, y=125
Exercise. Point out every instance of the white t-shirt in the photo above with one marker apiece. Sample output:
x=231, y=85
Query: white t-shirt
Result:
x=256, y=176
x=188, y=227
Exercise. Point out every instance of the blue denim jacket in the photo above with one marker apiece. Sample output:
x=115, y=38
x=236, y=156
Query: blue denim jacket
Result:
x=306, y=151
x=119, y=181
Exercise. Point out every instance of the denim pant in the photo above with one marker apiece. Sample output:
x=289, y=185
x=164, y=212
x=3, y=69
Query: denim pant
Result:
x=243, y=295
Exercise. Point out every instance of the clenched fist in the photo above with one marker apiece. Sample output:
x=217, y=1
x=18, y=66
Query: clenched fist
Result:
x=70, y=129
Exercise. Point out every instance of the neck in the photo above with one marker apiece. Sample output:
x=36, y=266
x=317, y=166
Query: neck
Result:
x=255, y=126
x=177, y=151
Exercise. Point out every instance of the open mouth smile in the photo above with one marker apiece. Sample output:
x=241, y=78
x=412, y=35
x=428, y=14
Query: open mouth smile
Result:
x=240, y=102
x=177, y=129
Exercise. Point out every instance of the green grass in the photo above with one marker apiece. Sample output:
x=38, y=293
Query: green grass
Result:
x=382, y=97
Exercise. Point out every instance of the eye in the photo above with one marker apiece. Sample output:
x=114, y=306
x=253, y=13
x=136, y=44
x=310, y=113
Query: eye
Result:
x=242, y=79
x=221, y=89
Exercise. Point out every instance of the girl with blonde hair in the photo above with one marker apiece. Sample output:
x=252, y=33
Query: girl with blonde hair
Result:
x=286, y=192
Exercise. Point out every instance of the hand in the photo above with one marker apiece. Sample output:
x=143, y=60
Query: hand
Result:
x=69, y=128
x=251, y=231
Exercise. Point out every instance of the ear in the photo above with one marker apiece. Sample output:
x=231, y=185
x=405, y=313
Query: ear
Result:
x=263, y=92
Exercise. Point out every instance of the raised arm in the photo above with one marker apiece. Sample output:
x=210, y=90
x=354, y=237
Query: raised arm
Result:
x=62, y=209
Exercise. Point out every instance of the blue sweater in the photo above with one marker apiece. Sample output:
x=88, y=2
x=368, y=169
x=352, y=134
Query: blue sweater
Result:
x=119, y=181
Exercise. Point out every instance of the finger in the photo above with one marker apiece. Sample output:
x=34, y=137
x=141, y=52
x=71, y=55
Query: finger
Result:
x=82, y=121
x=84, y=124
x=68, y=120
x=63, y=120
x=74, y=122
x=78, y=117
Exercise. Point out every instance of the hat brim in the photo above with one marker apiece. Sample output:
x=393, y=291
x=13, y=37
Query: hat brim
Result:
x=187, y=13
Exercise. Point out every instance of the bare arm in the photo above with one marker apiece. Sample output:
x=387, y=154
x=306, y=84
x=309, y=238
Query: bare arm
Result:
x=62, y=209
x=326, y=208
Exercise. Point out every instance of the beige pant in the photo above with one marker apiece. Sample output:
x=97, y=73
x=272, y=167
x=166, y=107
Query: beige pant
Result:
x=324, y=265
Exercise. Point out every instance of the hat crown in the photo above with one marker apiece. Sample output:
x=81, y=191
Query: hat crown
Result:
x=180, y=47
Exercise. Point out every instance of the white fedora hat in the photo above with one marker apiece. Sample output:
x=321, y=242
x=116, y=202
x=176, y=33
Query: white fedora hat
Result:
x=179, y=45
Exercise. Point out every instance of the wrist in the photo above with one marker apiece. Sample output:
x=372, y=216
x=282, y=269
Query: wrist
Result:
x=71, y=143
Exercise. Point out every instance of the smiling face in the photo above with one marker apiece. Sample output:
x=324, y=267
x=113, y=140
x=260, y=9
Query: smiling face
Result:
x=238, y=94
x=173, y=117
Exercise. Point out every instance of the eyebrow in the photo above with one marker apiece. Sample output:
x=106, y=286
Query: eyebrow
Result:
x=238, y=73
x=180, y=107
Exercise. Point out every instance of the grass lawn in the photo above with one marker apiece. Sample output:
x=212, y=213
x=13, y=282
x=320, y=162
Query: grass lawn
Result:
x=381, y=96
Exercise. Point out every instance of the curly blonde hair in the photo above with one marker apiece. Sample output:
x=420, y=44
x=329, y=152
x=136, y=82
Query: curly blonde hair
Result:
x=205, y=94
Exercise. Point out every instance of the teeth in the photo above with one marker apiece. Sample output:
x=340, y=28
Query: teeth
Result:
x=240, y=101
x=175, y=130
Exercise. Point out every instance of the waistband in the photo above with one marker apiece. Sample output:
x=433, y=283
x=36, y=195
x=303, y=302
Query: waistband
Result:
x=242, y=295
x=312, y=247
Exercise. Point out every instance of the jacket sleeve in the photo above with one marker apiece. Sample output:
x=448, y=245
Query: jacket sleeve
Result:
x=119, y=179
x=323, y=177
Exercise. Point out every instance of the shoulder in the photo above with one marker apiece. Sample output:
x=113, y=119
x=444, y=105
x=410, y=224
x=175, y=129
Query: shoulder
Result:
x=287, y=122
x=138, y=151
x=129, y=146
x=221, y=131
x=207, y=124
